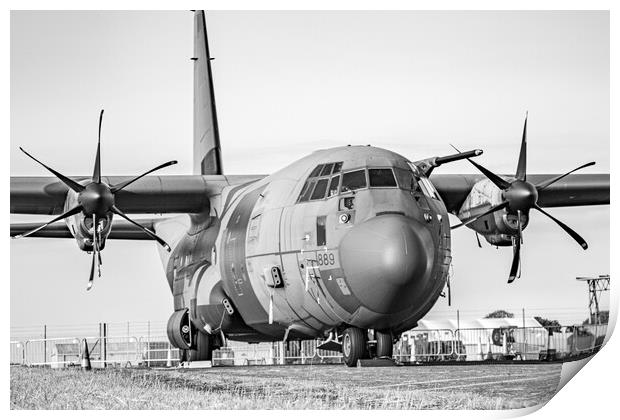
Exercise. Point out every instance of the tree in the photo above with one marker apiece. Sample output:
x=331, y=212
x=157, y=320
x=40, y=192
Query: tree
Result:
x=500, y=313
x=603, y=318
x=551, y=325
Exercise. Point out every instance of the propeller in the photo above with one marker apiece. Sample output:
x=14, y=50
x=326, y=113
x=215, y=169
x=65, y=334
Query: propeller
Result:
x=96, y=200
x=519, y=196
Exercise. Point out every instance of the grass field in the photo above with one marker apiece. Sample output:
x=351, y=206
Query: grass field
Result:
x=286, y=387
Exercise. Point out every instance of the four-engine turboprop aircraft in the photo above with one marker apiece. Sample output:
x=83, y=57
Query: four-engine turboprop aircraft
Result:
x=351, y=244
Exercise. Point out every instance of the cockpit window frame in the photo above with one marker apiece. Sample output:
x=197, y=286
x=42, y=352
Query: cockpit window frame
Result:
x=316, y=184
x=319, y=173
x=399, y=180
x=363, y=169
x=388, y=168
x=428, y=188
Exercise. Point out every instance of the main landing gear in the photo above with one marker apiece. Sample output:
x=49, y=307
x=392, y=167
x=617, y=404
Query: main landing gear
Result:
x=193, y=344
x=359, y=344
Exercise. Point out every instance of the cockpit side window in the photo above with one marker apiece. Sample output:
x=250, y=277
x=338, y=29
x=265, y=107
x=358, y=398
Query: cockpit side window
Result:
x=354, y=180
x=381, y=177
x=428, y=188
x=406, y=179
x=320, y=189
x=316, y=171
x=327, y=169
x=333, y=185
x=307, y=190
x=315, y=189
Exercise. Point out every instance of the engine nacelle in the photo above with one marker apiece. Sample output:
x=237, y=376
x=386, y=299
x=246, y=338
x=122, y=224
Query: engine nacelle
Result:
x=81, y=227
x=499, y=227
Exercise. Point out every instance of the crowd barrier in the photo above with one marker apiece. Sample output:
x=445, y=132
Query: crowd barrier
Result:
x=472, y=344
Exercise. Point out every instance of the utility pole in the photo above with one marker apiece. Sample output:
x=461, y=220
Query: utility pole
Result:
x=596, y=287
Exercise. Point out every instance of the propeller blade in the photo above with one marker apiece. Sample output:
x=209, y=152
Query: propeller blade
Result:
x=522, y=165
x=89, y=285
x=493, y=209
x=122, y=185
x=99, y=250
x=478, y=239
x=545, y=184
x=66, y=214
x=495, y=179
x=519, y=226
x=65, y=180
x=97, y=170
x=516, y=259
x=96, y=240
x=163, y=243
x=568, y=230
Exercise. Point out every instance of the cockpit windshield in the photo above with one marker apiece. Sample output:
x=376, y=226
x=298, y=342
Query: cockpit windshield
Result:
x=354, y=180
x=327, y=180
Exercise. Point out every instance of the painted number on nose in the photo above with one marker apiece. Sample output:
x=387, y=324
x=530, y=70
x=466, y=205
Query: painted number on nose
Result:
x=325, y=258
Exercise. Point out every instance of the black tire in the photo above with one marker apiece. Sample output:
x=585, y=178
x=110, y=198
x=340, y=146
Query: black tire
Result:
x=353, y=345
x=179, y=329
x=203, y=348
x=384, y=344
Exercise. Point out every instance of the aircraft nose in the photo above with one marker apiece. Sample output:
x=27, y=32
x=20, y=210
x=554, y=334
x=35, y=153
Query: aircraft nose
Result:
x=387, y=261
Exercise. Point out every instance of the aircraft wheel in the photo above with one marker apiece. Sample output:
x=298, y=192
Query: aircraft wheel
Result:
x=203, y=348
x=384, y=344
x=353, y=345
x=179, y=329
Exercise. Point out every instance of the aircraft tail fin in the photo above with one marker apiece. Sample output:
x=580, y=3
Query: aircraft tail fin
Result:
x=207, y=150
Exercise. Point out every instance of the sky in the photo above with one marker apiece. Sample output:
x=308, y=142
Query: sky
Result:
x=288, y=83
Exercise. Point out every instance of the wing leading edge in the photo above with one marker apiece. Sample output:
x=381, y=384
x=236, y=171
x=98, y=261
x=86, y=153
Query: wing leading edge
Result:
x=574, y=190
x=121, y=229
x=152, y=194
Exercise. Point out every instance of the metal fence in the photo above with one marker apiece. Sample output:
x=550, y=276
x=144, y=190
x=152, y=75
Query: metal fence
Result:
x=18, y=353
x=303, y=352
x=475, y=344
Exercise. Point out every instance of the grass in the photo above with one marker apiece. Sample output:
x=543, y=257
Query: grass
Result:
x=282, y=387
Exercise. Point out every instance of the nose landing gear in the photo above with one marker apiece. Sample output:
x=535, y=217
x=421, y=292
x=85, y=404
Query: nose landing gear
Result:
x=356, y=345
x=353, y=345
x=384, y=344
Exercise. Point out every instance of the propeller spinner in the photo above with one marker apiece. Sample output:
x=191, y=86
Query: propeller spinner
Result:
x=520, y=196
x=96, y=201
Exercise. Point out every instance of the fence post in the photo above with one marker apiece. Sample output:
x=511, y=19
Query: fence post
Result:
x=524, y=335
x=148, y=346
x=281, y=350
x=104, y=349
x=44, y=343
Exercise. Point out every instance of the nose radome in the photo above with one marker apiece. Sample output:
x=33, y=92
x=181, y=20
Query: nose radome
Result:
x=387, y=261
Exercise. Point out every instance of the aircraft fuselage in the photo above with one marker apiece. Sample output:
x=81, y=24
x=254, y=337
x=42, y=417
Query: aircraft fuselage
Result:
x=346, y=236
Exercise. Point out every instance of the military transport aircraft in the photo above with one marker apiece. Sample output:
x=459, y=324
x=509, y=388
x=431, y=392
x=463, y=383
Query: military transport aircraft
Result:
x=350, y=244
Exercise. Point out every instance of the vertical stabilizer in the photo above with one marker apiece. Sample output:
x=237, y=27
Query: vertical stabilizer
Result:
x=207, y=151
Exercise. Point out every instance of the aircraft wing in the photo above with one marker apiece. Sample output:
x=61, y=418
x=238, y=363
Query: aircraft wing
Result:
x=121, y=229
x=574, y=190
x=151, y=194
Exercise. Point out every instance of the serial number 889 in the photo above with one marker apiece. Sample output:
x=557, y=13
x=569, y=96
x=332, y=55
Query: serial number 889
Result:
x=325, y=259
